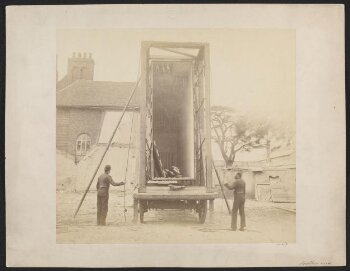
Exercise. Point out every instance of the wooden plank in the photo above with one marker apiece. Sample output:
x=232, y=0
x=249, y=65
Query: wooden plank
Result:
x=190, y=193
x=175, y=195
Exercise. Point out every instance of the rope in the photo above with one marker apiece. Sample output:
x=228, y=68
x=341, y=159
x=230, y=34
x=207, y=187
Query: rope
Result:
x=127, y=164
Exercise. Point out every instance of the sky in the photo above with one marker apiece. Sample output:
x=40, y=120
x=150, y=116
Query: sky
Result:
x=252, y=70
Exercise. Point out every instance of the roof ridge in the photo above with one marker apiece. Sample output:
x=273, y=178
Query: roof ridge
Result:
x=71, y=84
x=96, y=93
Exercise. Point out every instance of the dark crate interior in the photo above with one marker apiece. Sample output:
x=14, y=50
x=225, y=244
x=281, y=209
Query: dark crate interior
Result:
x=173, y=116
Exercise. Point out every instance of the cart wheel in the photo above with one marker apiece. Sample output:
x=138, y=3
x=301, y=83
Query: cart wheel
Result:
x=142, y=211
x=202, y=212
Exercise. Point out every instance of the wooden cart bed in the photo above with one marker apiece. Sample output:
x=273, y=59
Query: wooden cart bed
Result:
x=163, y=192
x=161, y=197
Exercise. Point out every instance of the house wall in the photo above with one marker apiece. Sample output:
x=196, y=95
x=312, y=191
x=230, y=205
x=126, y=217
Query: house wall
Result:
x=75, y=176
x=62, y=129
x=71, y=122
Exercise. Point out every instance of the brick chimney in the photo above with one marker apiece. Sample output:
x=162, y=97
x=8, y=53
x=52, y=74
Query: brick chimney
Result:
x=80, y=67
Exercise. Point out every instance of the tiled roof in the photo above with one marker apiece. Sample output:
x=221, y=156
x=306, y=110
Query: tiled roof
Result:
x=88, y=93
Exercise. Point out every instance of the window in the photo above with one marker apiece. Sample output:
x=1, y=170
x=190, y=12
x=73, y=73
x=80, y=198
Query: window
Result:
x=82, y=146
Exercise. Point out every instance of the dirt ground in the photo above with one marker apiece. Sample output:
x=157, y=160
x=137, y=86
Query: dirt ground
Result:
x=266, y=223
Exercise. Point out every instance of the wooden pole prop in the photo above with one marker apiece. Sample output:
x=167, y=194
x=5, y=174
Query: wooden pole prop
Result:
x=222, y=189
x=107, y=147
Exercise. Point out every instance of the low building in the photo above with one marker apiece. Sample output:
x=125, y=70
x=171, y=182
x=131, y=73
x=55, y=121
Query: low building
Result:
x=267, y=181
x=87, y=113
x=84, y=108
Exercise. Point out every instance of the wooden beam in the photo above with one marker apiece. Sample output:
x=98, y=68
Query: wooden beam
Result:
x=169, y=59
x=202, y=102
x=222, y=189
x=207, y=117
x=199, y=75
x=175, y=51
x=143, y=113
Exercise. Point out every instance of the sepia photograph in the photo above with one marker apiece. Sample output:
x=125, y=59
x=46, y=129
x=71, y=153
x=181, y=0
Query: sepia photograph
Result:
x=175, y=136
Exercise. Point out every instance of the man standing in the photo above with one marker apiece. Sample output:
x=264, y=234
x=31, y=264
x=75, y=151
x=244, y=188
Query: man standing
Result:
x=102, y=186
x=238, y=203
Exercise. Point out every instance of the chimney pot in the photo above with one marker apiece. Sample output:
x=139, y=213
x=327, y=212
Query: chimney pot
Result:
x=90, y=55
x=84, y=55
x=79, y=55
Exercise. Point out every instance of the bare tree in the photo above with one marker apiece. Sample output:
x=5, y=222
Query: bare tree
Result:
x=273, y=135
x=232, y=132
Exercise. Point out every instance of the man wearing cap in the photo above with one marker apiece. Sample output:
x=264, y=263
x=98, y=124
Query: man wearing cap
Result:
x=102, y=186
x=238, y=185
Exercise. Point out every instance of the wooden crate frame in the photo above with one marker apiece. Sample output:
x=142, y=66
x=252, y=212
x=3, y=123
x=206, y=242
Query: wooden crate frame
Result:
x=146, y=148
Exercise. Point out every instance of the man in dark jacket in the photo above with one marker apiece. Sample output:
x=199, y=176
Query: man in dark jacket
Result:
x=102, y=186
x=238, y=203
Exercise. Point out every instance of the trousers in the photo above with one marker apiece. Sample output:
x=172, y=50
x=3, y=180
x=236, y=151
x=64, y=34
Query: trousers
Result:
x=238, y=205
x=102, y=205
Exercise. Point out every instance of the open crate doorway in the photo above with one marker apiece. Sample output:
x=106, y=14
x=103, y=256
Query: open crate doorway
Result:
x=173, y=130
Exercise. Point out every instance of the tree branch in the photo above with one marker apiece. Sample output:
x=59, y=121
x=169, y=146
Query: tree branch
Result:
x=221, y=145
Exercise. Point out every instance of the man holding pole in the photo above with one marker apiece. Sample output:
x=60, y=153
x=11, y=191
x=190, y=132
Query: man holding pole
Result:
x=102, y=186
x=238, y=185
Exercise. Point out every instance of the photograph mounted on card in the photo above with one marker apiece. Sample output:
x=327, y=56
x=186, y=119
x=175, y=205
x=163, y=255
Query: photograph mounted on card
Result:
x=175, y=136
